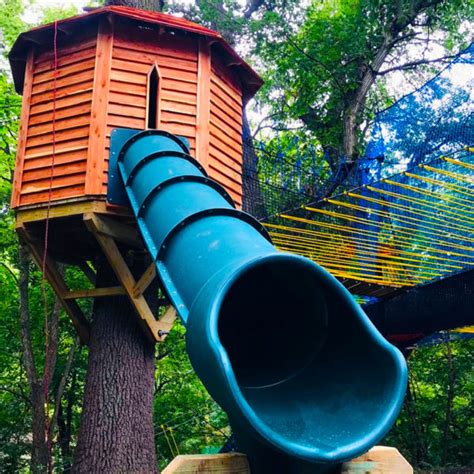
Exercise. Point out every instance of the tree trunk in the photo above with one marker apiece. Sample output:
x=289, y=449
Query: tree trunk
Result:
x=152, y=5
x=39, y=452
x=116, y=433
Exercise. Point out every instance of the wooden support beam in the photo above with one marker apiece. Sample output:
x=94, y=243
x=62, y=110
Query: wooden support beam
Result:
x=56, y=281
x=145, y=280
x=88, y=271
x=156, y=329
x=229, y=463
x=378, y=460
x=74, y=206
x=94, y=293
x=117, y=230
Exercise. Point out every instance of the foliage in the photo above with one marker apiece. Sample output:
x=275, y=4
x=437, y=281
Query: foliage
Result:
x=433, y=429
x=341, y=36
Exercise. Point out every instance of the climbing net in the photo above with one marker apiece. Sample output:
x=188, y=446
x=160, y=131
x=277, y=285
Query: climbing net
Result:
x=405, y=230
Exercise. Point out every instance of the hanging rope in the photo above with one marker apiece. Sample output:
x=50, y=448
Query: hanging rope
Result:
x=45, y=256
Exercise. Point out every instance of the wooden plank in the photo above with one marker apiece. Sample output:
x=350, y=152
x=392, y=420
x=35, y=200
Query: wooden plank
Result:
x=378, y=460
x=33, y=160
x=145, y=280
x=23, y=132
x=58, y=182
x=71, y=111
x=222, y=89
x=61, y=137
x=62, y=103
x=181, y=96
x=64, y=71
x=129, y=55
x=63, y=169
x=150, y=325
x=65, y=51
x=123, y=98
x=132, y=89
x=173, y=117
x=226, y=171
x=94, y=293
x=228, y=463
x=59, y=286
x=230, y=131
x=127, y=110
x=62, y=192
x=119, y=231
x=60, y=125
x=178, y=107
x=203, y=102
x=73, y=89
x=228, y=142
x=81, y=53
x=220, y=108
x=176, y=85
x=172, y=46
x=128, y=77
x=97, y=129
x=83, y=206
x=64, y=82
x=125, y=122
x=234, y=162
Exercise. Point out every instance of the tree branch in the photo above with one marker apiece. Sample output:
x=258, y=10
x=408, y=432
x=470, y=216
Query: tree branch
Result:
x=62, y=385
x=414, y=64
x=28, y=358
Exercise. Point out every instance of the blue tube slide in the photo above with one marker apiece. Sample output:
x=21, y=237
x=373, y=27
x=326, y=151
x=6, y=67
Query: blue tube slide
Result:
x=306, y=379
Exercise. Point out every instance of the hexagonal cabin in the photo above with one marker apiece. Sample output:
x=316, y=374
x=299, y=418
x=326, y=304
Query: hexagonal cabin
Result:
x=115, y=67
x=122, y=67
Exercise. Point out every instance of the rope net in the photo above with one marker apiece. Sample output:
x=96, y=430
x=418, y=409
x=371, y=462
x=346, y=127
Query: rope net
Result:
x=404, y=217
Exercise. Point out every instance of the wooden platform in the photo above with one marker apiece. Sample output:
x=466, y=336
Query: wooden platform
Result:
x=80, y=233
x=379, y=460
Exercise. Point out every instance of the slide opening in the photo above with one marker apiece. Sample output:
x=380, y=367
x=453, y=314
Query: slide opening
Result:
x=273, y=322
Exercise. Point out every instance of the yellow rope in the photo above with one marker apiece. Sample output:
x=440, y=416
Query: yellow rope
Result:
x=450, y=174
x=458, y=163
x=342, y=272
x=408, y=209
x=444, y=184
x=311, y=243
x=420, y=202
x=393, y=216
x=376, y=235
x=365, y=262
x=362, y=241
x=400, y=229
x=445, y=197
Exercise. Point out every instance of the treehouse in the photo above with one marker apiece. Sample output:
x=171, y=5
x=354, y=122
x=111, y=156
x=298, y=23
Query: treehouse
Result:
x=82, y=77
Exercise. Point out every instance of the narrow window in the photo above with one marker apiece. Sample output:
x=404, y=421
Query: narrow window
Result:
x=153, y=87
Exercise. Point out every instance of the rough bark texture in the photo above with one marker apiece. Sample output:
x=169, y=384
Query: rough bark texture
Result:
x=36, y=381
x=116, y=433
x=152, y=5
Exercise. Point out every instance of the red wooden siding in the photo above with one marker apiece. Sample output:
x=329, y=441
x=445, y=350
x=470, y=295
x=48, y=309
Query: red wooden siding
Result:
x=225, y=147
x=74, y=83
x=102, y=83
x=177, y=62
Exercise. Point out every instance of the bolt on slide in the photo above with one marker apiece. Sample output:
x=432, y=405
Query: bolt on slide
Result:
x=306, y=379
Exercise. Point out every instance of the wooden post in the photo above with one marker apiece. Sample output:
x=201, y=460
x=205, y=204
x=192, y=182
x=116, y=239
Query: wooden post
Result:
x=378, y=460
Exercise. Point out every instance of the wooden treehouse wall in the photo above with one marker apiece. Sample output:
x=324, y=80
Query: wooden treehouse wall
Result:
x=102, y=82
x=74, y=84
x=225, y=147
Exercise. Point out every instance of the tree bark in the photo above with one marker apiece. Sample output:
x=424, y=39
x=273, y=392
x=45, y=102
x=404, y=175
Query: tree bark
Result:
x=152, y=5
x=116, y=433
x=36, y=383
